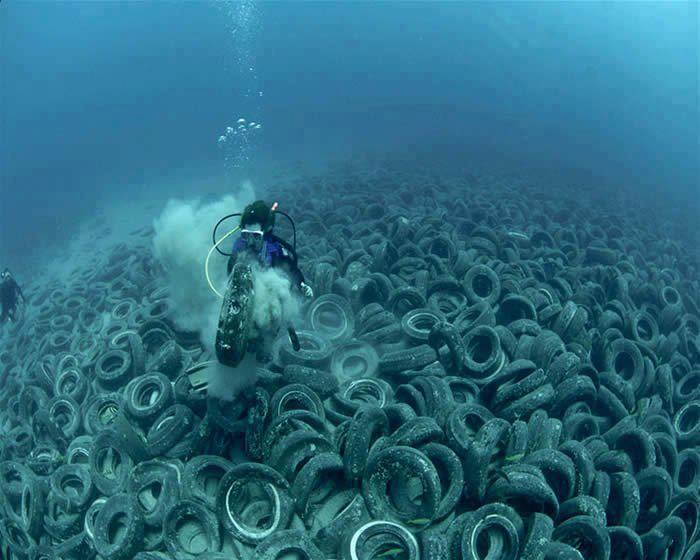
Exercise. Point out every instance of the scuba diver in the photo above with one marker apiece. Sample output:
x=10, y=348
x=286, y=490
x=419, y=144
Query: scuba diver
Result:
x=10, y=292
x=257, y=242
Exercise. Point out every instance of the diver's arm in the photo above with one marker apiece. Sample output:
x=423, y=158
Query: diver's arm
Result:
x=20, y=292
x=298, y=278
x=297, y=275
x=291, y=260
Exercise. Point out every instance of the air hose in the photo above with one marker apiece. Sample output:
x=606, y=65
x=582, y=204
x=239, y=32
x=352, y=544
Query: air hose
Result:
x=213, y=235
x=206, y=263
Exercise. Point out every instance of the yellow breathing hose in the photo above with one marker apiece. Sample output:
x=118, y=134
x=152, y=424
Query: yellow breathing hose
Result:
x=206, y=263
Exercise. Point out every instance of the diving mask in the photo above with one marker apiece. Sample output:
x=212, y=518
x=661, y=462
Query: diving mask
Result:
x=253, y=238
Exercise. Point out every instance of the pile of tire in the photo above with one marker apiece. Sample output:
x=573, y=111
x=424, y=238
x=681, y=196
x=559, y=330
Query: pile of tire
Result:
x=484, y=372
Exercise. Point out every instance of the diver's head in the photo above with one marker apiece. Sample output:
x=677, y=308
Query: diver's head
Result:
x=260, y=214
x=257, y=221
x=6, y=274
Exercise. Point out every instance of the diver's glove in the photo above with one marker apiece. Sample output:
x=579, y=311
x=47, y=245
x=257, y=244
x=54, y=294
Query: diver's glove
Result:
x=308, y=292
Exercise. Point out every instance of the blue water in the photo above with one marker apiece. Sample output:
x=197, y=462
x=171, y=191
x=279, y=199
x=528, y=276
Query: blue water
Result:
x=98, y=99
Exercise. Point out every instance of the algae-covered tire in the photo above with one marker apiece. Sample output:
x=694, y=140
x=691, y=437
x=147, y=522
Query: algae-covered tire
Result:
x=279, y=544
x=401, y=466
x=240, y=493
x=235, y=317
x=493, y=531
x=191, y=529
x=120, y=511
x=374, y=538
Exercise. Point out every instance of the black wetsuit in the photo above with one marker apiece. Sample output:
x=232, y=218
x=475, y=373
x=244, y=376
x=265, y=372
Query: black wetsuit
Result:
x=10, y=292
x=276, y=253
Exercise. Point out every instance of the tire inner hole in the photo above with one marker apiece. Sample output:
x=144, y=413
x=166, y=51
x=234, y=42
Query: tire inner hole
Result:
x=149, y=495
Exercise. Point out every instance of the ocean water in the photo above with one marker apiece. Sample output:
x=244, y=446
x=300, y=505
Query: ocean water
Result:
x=496, y=209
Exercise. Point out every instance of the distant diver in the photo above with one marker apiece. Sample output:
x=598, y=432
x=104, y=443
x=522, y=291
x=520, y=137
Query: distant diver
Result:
x=10, y=293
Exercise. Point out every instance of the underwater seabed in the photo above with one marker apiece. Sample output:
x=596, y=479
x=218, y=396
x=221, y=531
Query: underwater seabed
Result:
x=485, y=372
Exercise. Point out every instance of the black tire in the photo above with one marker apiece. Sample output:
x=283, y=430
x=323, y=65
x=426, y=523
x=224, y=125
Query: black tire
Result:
x=298, y=542
x=687, y=425
x=397, y=464
x=295, y=397
x=72, y=488
x=507, y=528
x=201, y=478
x=122, y=509
x=347, y=510
x=558, y=470
x=443, y=457
x=686, y=506
x=233, y=491
x=331, y=316
x=32, y=506
x=315, y=351
x=101, y=411
x=624, y=502
x=288, y=422
x=72, y=383
x=171, y=429
x=655, y=493
x=65, y=414
x=147, y=396
x=666, y=540
x=625, y=543
x=581, y=505
x=403, y=300
x=587, y=534
x=290, y=453
x=367, y=425
x=324, y=384
x=169, y=360
x=414, y=358
x=687, y=474
x=204, y=533
x=483, y=355
x=60, y=524
x=110, y=463
x=354, y=360
x=79, y=451
x=235, y=318
x=525, y=487
x=258, y=415
x=481, y=283
x=114, y=369
x=373, y=538
x=539, y=535
x=417, y=324
x=319, y=469
x=131, y=342
x=445, y=334
x=14, y=542
x=156, y=484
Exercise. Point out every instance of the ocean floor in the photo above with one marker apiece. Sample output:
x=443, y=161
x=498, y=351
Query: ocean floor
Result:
x=485, y=370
